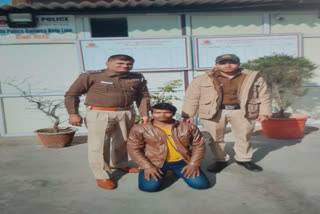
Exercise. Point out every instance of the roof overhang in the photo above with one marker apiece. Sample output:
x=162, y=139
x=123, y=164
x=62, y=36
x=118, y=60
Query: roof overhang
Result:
x=127, y=6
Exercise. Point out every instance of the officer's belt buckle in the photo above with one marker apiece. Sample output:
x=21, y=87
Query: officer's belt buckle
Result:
x=230, y=107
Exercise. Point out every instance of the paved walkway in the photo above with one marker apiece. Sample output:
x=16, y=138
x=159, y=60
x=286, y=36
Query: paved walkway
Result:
x=37, y=180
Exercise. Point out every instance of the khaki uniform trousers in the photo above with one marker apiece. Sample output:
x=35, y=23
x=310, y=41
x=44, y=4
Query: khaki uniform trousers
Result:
x=242, y=129
x=107, y=128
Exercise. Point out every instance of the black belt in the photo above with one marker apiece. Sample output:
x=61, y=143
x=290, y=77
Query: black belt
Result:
x=230, y=107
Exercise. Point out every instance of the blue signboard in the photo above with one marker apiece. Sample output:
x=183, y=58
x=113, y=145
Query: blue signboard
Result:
x=3, y=2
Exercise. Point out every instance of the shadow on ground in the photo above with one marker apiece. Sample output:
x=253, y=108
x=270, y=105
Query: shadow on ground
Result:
x=263, y=145
x=80, y=139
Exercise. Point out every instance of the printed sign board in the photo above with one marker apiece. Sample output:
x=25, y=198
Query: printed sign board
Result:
x=48, y=27
x=150, y=54
x=246, y=47
x=3, y=2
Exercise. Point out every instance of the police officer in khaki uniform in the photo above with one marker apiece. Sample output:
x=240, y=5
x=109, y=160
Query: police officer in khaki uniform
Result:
x=110, y=95
x=228, y=94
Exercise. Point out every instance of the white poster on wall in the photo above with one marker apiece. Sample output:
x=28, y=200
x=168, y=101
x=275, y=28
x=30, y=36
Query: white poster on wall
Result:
x=246, y=47
x=150, y=54
x=49, y=27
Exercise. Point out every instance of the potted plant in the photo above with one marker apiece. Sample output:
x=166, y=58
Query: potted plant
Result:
x=164, y=94
x=55, y=136
x=284, y=76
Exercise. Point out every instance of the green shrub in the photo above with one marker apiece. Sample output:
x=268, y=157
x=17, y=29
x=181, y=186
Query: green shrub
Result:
x=285, y=76
x=164, y=94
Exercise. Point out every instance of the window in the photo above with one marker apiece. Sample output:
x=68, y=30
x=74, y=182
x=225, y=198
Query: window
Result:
x=109, y=27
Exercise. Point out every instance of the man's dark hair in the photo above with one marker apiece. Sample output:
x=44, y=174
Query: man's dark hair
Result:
x=165, y=106
x=122, y=57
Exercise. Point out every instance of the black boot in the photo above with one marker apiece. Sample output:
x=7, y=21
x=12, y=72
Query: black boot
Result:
x=251, y=166
x=217, y=166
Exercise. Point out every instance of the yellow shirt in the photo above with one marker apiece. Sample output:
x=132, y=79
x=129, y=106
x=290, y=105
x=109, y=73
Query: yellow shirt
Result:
x=172, y=154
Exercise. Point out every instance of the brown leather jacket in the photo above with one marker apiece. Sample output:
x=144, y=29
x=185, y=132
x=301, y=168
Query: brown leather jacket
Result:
x=147, y=144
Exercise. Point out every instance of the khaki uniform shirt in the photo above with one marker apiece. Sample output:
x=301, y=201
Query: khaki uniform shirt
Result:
x=106, y=90
x=230, y=88
x=204, y=98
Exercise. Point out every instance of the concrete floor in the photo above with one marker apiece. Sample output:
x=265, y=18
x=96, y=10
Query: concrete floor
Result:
x=37, y=180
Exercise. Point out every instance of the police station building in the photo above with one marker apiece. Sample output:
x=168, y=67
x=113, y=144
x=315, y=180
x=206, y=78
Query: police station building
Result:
x=45, y=45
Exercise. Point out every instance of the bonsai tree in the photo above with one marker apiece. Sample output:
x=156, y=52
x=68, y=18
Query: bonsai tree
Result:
x=284, y=76
x=47, y=106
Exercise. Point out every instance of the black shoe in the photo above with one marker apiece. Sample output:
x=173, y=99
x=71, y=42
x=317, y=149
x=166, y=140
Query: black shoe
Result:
x=251, y=166
x=217, y=166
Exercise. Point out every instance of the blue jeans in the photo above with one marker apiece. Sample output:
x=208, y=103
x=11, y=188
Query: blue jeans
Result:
x=199, y=182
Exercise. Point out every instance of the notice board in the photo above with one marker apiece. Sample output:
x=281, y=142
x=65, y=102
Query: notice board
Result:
x=246, y=47
x=150, y=54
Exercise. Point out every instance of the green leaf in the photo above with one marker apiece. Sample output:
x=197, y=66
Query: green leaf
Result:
x=284, y=75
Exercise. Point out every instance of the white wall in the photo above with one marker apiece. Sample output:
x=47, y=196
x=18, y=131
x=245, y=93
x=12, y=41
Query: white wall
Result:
x=228, y=24
x=311, y=51
x=306, y=23
x=48, y=68
x=154, y=26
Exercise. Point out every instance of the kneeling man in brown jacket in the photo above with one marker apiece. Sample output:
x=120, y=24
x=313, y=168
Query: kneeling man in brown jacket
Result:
x=166, y=144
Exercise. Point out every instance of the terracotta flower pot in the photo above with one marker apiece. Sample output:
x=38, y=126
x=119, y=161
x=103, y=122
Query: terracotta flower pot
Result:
x=285, y=128
x=51, y=139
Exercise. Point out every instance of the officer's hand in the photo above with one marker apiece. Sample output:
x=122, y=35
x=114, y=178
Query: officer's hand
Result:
x=154, y=172
x=188, y=120
x=189, y=170
x=262, y=118
x=145, y=119
x=75, y=119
